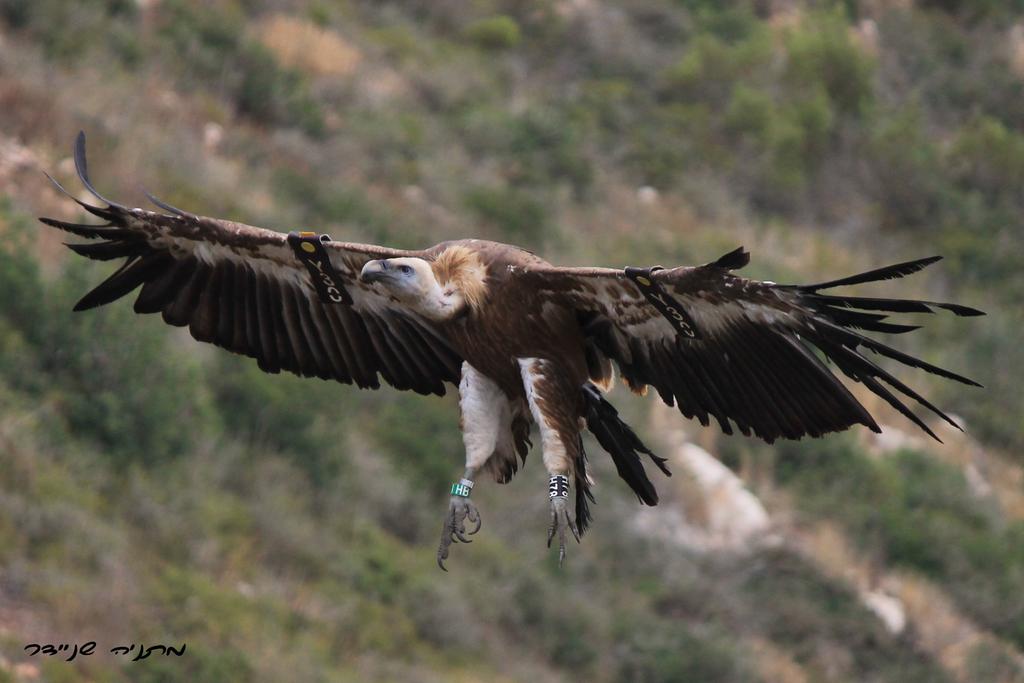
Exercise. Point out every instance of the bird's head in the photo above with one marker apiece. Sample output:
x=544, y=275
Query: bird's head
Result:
x=412, y=281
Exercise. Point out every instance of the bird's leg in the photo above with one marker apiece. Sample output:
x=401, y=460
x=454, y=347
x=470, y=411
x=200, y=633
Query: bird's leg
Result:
x=562, y=517
x=484, y=410
x=547, y=391
x=460, y=509
x=548, y=394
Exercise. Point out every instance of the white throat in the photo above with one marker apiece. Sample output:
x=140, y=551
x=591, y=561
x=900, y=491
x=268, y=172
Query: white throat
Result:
x=436, y=302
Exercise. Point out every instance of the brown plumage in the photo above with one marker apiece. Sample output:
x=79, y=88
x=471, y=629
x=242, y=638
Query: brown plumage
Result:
x=528, y=341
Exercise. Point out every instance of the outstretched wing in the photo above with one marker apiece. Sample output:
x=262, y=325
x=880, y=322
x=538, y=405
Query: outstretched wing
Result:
x=243, y=289
x=752, y=360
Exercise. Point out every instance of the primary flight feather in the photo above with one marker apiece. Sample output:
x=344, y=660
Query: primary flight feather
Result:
x=524, y=341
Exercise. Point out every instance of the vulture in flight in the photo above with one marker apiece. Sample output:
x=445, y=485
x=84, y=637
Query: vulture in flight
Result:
x=524, y=341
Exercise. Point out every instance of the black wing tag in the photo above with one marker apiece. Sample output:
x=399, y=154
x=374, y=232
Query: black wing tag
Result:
x=659, y=298
x=309, y=248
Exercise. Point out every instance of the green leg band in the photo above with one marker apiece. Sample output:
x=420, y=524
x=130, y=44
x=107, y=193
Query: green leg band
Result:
x=463, y=488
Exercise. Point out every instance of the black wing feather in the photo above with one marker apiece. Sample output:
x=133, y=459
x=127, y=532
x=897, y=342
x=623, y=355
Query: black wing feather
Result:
x=250, y=301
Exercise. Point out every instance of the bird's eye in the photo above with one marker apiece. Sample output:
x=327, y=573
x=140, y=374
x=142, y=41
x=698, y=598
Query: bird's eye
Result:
x=405, y=270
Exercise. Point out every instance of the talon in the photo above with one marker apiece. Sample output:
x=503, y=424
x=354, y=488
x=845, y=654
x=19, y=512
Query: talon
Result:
x=454, y=530
x=474, y=516
x=442, y=555
x=561, y=537
x=561, y=519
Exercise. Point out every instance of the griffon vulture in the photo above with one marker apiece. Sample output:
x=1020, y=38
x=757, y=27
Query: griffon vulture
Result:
x=526, y=342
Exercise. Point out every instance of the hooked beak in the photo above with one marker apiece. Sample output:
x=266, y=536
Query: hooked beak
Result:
x=375, y=271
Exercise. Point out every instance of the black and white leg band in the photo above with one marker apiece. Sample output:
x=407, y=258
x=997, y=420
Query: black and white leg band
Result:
x=558, y=486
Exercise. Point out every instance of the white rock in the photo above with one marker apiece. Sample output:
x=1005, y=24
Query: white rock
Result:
x=733, y=518
x=647, y=195
x=213, y=136
x=887, y=608
x=893, y=439
x=976, y=481
x=414, y=194
x=735, y=515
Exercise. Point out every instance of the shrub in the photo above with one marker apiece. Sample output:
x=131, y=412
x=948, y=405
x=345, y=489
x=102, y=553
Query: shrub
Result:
x=272, y=94
x=202, y=39
x=314, y=203
x=749, y=112
x=607, y=103
x=539, y=147
x=669, y=651
x=298, y=416
x=205, y=664
x=20, y=279
x=971, y=10
x=995, y=344
x=546, y=145
x=210, y=45
x=810, y=617
x=988, y=662
x=517, y=214
x=112, y=374
x=494, y=33
x=66, y=30
x=988, y=157
x=821, y=54
x=676, y=137
x=710, y=67
x=904, y=164
x=422, y=437
x=919, y=514
x=730, y=22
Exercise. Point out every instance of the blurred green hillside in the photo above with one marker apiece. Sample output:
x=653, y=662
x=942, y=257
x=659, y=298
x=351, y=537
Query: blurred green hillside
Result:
x=155, y=490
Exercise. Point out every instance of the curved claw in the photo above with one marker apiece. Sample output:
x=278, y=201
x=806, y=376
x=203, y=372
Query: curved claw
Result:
x=454, y=531
x=474, y=516
x=561, y=519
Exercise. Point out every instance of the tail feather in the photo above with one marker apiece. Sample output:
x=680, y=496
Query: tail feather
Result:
x=622, y=443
